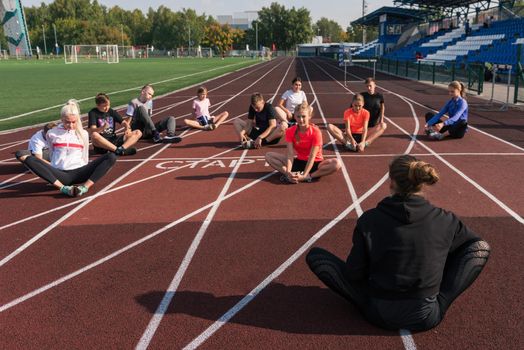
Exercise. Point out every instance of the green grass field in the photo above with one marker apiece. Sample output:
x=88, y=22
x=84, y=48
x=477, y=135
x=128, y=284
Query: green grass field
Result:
x=28, y=86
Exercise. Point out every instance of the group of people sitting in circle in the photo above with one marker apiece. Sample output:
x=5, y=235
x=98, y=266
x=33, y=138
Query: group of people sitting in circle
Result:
x=59, y=153
x=385, y=275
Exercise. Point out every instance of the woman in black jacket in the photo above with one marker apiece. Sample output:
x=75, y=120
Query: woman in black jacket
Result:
x=409, y=260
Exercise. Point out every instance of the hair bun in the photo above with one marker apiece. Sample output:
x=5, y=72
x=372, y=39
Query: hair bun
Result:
x=421, y=172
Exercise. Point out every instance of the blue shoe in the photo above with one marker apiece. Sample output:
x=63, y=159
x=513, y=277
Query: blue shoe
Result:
x=68, y=190
x=79, y=190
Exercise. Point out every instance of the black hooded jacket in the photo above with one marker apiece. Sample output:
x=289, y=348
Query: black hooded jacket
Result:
x=401, y=246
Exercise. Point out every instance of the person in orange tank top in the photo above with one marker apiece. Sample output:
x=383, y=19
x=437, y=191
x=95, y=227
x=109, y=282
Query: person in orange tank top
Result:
x=356, y=121
x=305, y=140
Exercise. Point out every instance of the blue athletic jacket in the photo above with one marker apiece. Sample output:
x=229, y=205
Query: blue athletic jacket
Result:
x=455, y=109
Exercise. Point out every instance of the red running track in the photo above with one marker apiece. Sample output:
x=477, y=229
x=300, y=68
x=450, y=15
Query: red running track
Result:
x=96, y=278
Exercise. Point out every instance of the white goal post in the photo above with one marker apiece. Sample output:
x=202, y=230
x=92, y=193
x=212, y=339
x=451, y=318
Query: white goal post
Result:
x=91, y=54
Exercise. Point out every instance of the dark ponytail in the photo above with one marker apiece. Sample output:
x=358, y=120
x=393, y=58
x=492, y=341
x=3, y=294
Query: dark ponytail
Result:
x=410, y=174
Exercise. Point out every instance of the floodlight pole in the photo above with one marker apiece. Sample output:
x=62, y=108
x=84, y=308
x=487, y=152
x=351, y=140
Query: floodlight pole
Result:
x=256, y=36
x=43, y=33
x=189, y=39
x=122, y=34
x=56, y=41
x=364, y=5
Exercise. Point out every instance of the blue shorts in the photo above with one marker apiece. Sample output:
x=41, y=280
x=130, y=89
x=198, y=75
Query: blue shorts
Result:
x=204, y=120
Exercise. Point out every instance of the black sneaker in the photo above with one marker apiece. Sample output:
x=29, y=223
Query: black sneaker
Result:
x=121, y=151
x=172, y=138
x=156, y=137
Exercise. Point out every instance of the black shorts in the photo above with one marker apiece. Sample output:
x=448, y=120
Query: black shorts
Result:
x=300, y=165
x=357, y=137
x=373, y=121
x=115, y=140
x=256, y=133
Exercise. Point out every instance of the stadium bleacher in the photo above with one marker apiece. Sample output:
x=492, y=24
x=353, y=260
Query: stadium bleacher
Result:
x=494, y=44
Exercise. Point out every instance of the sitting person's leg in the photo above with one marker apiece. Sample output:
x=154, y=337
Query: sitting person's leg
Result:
x=168, y=124
x=143, y=122
x=274, y=137
x=458, y=130
x=277, y=161
x=375, y=132
x=58, y=178
x=326, y=167
x=337, y=133
x=92, y=172
x=332, y=271
x=220, y=119
x=461, y=270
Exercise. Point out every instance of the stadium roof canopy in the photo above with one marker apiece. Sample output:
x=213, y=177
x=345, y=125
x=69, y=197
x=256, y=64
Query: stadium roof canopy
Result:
x=450, y=7
x=438, y=4
x=407, y=15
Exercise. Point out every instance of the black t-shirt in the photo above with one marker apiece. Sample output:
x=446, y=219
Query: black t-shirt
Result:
x=263, y=117
x=98, y=118
x=372, y=104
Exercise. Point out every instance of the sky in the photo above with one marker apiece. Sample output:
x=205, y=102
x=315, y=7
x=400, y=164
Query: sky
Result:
x=341, y=11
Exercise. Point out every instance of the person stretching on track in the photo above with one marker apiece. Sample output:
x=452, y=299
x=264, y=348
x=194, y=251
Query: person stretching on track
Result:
x=409, y=260
x=356, y=121
x=260, y=128
x=289, y=100
x=204, y=119
x=374, y=104
x=38, y=145
x=140, y=109
x=305, y=140
x=102, y=124
x=456, y=124
x=69, y=149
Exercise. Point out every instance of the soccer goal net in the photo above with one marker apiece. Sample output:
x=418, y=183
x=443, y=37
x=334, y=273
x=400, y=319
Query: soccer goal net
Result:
x=91, y=54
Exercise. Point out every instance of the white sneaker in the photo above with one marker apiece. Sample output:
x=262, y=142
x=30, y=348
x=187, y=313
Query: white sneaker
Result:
x=350, y=147
x=436, y=136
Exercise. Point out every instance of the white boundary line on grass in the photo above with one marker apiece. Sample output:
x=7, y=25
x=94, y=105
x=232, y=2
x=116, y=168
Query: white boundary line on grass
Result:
x=161, y=310
x=404, y=334
x=349, y=184
x=70, y=213
x=132, y=245
x=120, y=91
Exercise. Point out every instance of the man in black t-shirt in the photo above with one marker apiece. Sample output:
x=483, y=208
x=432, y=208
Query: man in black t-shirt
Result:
x=102, y=125
x=374, y=104
x=261, y=125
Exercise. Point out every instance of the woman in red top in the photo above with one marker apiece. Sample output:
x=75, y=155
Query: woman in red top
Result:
x=356, y=121
x=305, y=140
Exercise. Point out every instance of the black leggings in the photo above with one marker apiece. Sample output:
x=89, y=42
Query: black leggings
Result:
x=456, y=131
x=92, y=171
x=461, y=269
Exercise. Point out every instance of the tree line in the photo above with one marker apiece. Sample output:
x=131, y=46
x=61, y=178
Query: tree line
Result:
x=89, y=22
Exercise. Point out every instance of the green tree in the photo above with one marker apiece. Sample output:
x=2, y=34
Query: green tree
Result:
x=282, y=27
x=330, y=30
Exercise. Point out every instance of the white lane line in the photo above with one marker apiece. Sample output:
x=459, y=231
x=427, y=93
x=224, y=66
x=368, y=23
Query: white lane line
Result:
x=70, y=213
x=155, y=145
x=13, y=178
x=434, y=110
x=154, y=323
x=161, y=310
x=126, y=248
x=349, y=184
x=3, y=187
x=125, y=90
x=467, y=178
x=407, y=340
x=382, y=155
x=14, y=144
x=275, y=274
x=251, y=295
